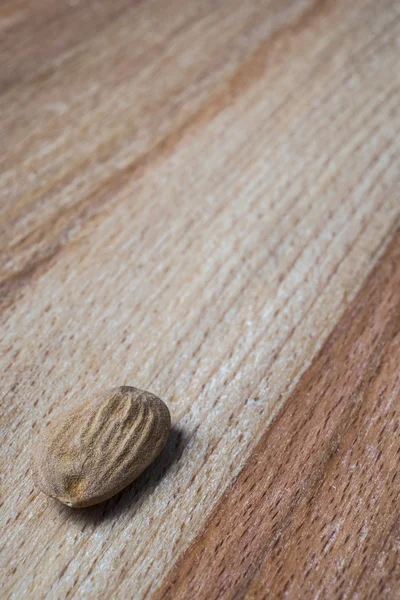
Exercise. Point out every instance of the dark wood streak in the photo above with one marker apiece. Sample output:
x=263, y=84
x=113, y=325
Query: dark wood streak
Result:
x=314, y=512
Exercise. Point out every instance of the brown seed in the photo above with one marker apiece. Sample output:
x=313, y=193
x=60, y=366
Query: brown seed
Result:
x=97, y=448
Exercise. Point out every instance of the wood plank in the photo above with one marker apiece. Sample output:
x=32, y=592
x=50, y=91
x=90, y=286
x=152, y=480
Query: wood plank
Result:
x=89, y=121
x=191, y=196
x=315, y=511
x=35, y=35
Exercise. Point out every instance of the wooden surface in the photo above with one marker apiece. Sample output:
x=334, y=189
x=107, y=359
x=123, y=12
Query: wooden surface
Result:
x=202, y=199
x=315, y=511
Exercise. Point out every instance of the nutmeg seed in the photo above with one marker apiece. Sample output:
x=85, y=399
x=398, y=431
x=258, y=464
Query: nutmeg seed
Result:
x=97, y=448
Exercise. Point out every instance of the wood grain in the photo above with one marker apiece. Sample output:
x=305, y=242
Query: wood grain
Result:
x=315, y=511
x=192, y=195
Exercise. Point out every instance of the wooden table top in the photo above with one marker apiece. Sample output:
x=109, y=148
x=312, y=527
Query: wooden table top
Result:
x=202, y=199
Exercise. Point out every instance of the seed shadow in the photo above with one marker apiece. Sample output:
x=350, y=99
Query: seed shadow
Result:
x=126, y=500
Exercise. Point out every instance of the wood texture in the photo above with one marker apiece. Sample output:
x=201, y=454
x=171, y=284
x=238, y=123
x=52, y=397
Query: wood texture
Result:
x=315, y=511
x=191, y=196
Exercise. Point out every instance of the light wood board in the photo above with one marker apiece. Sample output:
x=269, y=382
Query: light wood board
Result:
x=192, y=194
